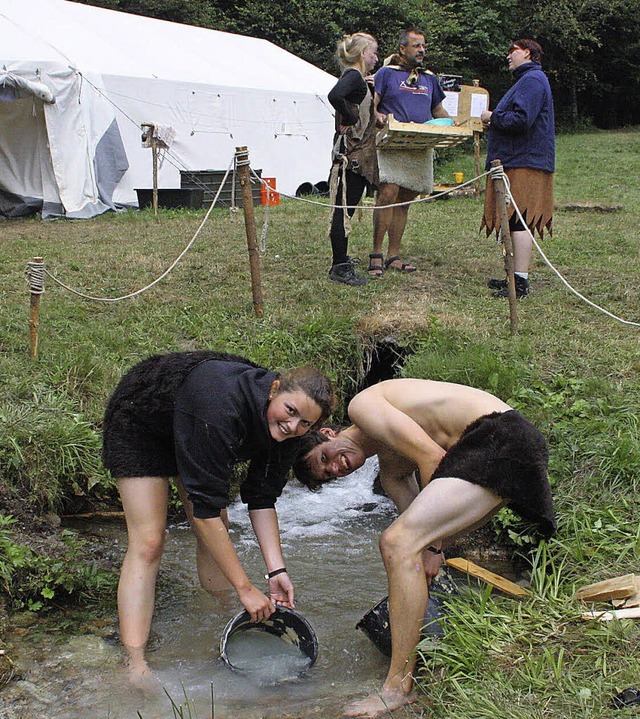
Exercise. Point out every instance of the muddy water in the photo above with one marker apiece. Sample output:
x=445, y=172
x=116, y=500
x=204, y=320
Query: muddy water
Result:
x=330, y=544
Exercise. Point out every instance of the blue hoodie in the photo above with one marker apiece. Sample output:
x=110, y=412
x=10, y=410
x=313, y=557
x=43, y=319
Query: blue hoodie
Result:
x=522, y=131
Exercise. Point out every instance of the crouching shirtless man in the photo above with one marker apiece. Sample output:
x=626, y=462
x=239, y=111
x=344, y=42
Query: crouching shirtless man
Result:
x=474, y=454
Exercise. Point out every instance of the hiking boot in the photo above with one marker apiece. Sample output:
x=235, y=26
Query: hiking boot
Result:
x=522, y=288
x=346, y=274
x=496, y=284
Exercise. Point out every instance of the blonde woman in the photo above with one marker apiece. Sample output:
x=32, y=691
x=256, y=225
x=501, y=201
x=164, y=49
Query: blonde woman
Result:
x=355, y=165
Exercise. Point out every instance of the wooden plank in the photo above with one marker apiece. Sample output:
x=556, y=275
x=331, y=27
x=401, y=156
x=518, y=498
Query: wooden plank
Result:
x=633, y=613
x=505, y=585
x=616, y=588
x=632, y=601
x=420, y=136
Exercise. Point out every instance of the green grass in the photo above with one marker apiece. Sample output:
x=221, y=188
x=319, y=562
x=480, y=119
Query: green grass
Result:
x=571, y=369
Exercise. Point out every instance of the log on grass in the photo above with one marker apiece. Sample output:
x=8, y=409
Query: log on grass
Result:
x=504, y=585
x=616, y=588
x=632, y=601
x=633, y=613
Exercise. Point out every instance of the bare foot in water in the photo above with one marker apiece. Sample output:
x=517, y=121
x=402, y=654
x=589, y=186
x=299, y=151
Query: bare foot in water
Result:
x=142, y=678
x=380, y=703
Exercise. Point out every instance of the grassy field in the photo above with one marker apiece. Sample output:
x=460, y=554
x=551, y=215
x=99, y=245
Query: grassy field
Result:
x=571, y=368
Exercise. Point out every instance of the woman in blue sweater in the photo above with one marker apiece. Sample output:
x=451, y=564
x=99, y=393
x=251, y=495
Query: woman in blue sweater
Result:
x=193, y=416
x=521, y=134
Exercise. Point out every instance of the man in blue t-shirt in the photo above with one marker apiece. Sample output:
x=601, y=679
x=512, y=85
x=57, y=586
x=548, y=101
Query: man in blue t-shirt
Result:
x=411, y=94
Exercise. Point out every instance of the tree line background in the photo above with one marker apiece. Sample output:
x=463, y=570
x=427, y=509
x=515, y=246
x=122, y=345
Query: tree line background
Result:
x=592, y=47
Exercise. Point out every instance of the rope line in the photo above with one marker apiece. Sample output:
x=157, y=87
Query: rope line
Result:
x=326, y=205
x=34, y=273
x=499, y=172
x=162, y=276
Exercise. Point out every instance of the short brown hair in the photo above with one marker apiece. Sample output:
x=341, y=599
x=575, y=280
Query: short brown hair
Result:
x=534, y=48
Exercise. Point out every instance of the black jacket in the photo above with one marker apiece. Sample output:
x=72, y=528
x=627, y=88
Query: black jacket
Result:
x=220, y=420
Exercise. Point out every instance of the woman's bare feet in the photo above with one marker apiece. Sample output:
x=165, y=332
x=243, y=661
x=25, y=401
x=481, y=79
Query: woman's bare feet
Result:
x=141, y=676
x=380, y=703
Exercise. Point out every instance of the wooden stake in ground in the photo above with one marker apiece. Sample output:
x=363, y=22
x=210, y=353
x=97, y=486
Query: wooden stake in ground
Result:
x=35, y=277
x=244, y=174
x=505, y=234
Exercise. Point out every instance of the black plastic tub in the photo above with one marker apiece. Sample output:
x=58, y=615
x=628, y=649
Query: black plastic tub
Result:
x=375, y=623
x=173, y=197
x=292, y=631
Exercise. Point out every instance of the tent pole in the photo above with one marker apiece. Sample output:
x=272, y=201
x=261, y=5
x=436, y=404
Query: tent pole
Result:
x=154, y=153
x=244, y=175
x=476, y=152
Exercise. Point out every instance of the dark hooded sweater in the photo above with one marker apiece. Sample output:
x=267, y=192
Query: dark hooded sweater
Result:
x=522, y=131
x=212, y=407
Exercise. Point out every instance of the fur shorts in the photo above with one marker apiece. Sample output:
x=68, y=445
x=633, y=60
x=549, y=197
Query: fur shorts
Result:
x=508, y=455
x=137, y=434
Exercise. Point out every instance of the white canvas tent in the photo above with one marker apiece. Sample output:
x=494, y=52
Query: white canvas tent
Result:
x=111, y=72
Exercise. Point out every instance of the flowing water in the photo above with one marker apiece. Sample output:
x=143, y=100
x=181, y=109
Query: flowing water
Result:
x=330, y=544
x=267, y=659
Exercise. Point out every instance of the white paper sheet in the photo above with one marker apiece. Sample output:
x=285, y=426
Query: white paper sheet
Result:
x=450, y=103
x=479, y=103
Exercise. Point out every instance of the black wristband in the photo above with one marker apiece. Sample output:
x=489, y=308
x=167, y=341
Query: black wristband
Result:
x=434, y=550
x=275, y=573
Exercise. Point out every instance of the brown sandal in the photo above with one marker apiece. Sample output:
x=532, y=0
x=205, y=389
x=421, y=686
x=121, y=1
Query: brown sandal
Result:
x=404, y=266
x=376, y=270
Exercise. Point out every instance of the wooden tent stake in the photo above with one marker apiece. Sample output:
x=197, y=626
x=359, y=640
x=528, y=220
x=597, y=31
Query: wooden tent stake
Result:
x=505, y=234
x=35, y=276
x=244, y=175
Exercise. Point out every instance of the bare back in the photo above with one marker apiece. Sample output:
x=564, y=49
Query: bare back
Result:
x=419, y=419
x=442, y=409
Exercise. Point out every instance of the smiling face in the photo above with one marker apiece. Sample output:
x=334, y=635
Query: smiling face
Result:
x=291, y=414
x=336, y=458
x=413, y=52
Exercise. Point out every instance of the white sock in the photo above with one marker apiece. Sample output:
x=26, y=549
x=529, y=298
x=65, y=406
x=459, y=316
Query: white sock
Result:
x=524, y=275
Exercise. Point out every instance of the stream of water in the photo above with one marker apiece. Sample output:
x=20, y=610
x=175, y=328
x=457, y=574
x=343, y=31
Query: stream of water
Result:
x=330, y=541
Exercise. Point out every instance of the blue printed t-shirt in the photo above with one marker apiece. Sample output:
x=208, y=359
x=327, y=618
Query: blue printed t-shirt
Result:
x=407, y=103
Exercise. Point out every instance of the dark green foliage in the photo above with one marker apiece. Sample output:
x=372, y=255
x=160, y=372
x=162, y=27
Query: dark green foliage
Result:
x=35, y=580
x=592, y=48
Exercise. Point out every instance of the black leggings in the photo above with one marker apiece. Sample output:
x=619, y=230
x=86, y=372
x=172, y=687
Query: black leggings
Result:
x=356, y=185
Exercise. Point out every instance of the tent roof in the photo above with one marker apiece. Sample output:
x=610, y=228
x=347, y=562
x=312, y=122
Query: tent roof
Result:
x=115, y=43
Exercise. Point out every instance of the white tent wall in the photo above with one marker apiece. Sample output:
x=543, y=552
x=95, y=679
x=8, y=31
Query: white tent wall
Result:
x=216, y=90
x=286, y=140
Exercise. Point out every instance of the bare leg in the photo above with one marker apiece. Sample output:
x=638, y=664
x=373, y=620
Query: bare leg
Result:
x=522, y=250
x=383, y=217
x=209, y=573
x=144, y=500
x=399, y=222
x=444, y=508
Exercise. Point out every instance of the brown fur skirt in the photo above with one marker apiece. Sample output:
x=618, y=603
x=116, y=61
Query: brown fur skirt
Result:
x=508, y=455
x=532, y=191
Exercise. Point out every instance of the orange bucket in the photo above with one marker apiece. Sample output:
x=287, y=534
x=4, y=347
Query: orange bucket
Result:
x=268, y=195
